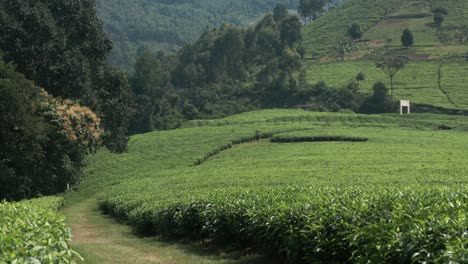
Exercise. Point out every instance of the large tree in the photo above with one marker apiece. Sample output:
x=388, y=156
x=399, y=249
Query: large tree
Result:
x=43, y=139
x=61, y=46
x=391, y=65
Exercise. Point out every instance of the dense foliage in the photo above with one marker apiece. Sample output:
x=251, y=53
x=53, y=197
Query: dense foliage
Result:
x=43, y=139
x=161, y=25
x=227, y=71
x=305, y=225
x=61, y=46
x=32, y=232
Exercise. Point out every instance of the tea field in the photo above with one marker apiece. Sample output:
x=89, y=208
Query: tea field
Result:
x=417, y=82
x=33, y=232
x=315, y=187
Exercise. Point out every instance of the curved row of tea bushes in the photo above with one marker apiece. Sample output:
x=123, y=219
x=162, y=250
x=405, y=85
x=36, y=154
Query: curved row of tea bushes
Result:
x=381, y=225
x=33, y=232
x=295, y=139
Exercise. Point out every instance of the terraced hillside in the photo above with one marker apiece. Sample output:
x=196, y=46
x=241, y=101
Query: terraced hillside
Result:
x=437, y=68
x=324, y=198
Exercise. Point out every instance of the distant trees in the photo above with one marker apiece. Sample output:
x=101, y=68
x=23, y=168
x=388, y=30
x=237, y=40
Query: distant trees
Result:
x=354, y=31
x=280, y=12
x=311, y=9
x=407, y=38
x=391, y=65
x=227, y=70
x=290, y=32
x=439, y=15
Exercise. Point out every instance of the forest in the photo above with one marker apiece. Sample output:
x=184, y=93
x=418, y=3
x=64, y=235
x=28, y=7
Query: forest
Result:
x=162, y=25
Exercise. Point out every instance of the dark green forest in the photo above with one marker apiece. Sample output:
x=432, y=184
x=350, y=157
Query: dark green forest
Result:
x=59, y=98
x=166, y=25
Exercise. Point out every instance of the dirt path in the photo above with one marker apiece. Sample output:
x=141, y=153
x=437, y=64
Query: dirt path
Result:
x=101, y=239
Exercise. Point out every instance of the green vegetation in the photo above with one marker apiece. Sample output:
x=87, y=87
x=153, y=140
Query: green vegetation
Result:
x=417, y=82
x=161, y=25
x=61, y=47
x=32, y=232
x=307, y=136
x=383, y=24
x=404, y=157
x=226, y=71
x=43, y=139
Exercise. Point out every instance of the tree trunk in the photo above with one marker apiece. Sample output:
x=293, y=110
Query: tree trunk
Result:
x=391, y=87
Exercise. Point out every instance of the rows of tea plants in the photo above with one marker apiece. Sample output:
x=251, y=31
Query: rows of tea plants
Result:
x=314, y=136
x=380, y=225
x=33, y=232
x=239, y=194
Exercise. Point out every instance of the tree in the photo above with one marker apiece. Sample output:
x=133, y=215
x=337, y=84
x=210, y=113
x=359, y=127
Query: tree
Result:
x=407, y=38
x=439, y=15
x=43, y=140
x=378, y=102
x=439, y=19
x=22, y=134
x=290, y=32
x=61, y=46
x=311, y=8
x=391, y=65
x=360, y=77
x=354, y=31
x=157, y=101
x=301, y=50
x=280, y=12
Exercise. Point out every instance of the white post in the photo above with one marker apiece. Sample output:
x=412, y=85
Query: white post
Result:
x=68, y=186
x=405, y=103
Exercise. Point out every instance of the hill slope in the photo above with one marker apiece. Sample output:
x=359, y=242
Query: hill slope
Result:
x=238, y=190
x=437, y=66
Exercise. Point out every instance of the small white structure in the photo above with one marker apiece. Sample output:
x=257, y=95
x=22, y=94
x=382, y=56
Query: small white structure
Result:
x=405, y=103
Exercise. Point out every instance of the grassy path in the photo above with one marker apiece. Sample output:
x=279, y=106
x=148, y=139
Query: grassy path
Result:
x=101, y=239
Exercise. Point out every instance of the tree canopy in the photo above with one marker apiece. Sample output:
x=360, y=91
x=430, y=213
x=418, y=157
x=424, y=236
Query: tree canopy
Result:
x=61, y=46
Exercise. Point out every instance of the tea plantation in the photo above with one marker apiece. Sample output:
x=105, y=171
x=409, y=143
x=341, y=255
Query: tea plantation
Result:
x=316, y=186
x=32, y=232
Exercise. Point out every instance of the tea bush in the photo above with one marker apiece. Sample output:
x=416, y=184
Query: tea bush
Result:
x=32, y=232
x=381, y=225
x=386, y=200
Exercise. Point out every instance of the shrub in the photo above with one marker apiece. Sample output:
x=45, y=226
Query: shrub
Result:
x=294, y=139
x=31, y=232
x=306, y=225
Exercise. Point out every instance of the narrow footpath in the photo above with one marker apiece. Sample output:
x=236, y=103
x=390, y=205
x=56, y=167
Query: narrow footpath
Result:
x=101, y=239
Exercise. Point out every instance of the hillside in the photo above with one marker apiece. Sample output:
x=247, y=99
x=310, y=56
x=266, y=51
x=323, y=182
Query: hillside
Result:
x=166, y=25
x=437, y=65
x=210, y=180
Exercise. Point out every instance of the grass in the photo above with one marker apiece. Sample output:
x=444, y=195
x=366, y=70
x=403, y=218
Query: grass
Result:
x=101, y=239
x=158, y=171
x=326, y=32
